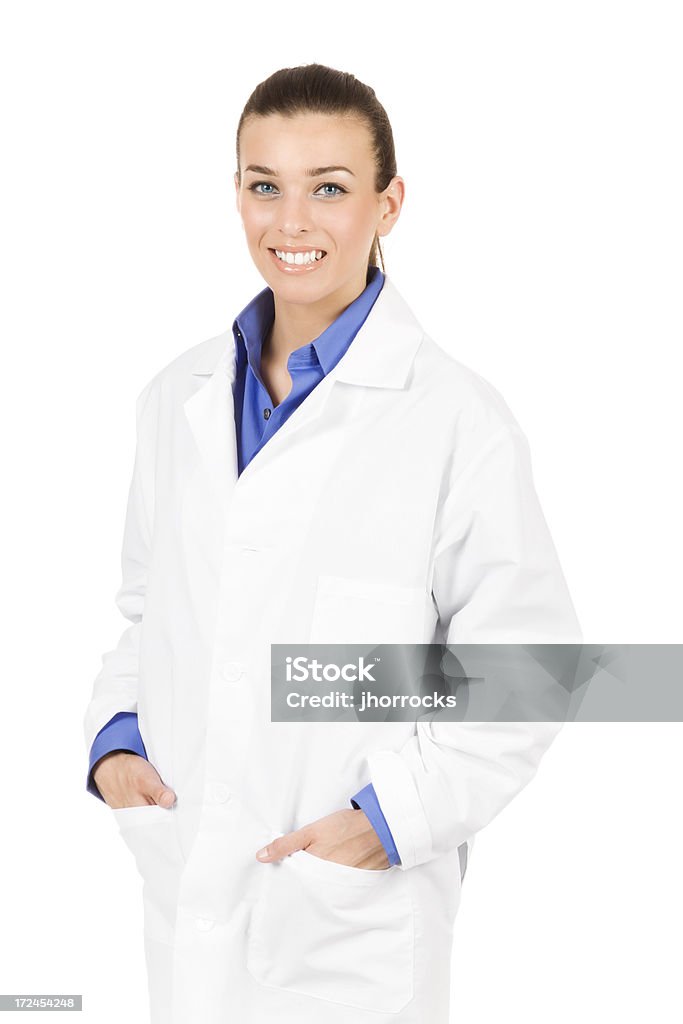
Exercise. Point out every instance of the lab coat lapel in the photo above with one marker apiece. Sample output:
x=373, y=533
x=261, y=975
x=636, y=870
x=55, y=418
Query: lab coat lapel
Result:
x=211, y=418
x=380, y=356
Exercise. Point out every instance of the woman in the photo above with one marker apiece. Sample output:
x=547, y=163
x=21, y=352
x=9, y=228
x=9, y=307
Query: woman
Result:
x=321, y=472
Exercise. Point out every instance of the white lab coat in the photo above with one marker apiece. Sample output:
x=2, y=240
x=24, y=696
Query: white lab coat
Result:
x=395, y=505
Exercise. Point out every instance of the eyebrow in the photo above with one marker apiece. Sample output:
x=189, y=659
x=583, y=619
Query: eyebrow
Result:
x=313, y=172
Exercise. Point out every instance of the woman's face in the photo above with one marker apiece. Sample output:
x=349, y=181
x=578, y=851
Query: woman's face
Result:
x=334, y=210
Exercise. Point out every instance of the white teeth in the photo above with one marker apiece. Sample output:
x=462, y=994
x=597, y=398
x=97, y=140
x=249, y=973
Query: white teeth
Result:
x=299, y=258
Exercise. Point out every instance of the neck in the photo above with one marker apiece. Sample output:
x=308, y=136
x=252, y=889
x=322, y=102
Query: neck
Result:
x=299, y=323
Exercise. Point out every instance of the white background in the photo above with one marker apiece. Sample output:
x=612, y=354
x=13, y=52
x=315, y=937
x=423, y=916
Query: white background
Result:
x=540, y=243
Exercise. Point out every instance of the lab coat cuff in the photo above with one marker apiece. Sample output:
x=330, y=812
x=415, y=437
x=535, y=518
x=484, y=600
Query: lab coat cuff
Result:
x=402, y=808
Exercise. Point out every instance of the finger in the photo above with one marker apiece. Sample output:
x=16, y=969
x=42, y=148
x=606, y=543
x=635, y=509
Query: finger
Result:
x=284, y=845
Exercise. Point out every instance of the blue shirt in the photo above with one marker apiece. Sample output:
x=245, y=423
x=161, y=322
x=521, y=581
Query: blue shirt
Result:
x=256, y=420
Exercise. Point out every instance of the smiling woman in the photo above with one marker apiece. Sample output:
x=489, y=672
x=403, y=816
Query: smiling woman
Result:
x=312, y=227
x=322, y=471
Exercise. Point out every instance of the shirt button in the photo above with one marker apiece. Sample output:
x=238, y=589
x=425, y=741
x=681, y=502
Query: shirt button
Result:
x=220, y=794
x=266, y=414
x=204, y=924
x=232, y=670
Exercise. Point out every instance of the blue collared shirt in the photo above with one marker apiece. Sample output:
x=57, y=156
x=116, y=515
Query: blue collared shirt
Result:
x=307, y=365
x=257, y=419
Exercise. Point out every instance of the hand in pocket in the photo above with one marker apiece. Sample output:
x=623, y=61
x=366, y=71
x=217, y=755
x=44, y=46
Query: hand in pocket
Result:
x=127, y=780
x=344, y=837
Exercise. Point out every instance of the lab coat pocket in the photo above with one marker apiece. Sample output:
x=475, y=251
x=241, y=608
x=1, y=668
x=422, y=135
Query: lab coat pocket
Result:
x=150, y=833
x=335, y=933
x=359, y=611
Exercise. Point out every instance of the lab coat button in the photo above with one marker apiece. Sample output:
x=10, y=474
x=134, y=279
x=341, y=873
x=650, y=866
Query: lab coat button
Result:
x=232, y=670
x=220, y=793
x=204, y=924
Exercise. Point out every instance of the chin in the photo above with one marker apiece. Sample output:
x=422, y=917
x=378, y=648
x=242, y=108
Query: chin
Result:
x=293, y=287
x=296, y=292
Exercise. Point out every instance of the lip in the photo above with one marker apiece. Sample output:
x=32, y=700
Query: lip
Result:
x=300, y=268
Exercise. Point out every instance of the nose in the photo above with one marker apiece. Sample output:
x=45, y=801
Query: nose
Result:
x=294, y=215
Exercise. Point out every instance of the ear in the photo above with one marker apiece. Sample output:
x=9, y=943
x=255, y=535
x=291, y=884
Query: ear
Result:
x=237, y=192
x=391, y=203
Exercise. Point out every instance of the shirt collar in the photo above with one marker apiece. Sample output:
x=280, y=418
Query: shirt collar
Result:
x=255, y=320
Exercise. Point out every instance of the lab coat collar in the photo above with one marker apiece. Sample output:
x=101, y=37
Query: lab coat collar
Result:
x=380, y=355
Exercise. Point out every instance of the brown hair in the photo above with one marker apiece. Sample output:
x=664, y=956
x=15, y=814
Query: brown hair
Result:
x=318, y=89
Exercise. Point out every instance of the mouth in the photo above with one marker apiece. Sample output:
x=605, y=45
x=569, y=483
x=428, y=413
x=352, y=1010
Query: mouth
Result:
x=298, y=260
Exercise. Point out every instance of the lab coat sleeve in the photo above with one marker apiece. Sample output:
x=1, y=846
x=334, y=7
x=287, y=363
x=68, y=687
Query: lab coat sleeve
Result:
x=115, y=688
x=496, y=579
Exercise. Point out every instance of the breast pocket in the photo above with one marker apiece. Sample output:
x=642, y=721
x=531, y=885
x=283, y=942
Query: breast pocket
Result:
x=359, y=611
x=335, y=933
x=151, y=835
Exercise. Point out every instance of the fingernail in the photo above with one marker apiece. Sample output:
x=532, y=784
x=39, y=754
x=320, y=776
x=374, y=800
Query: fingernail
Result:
x=262, y=854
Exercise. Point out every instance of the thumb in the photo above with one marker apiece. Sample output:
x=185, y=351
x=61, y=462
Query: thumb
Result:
x=158, y=790
x=165, y=797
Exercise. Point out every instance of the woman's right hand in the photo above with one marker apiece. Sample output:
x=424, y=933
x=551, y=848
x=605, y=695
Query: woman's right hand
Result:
x=128, y=780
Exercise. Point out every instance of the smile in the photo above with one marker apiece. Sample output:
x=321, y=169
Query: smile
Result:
x=295, y=262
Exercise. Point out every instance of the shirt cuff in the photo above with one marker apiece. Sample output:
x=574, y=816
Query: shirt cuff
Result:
x=366, y=800
x=120, y=733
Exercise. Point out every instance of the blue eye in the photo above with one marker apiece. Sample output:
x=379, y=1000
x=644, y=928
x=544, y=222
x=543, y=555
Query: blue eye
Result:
x=330, y=184
x=253, y=188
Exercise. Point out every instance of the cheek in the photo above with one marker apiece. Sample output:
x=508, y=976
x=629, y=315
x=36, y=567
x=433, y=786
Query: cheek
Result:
x=346, y=236
x=256, y=220
x=352, y=226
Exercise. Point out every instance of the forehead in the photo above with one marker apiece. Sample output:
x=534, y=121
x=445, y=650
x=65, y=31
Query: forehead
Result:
x=288, y=144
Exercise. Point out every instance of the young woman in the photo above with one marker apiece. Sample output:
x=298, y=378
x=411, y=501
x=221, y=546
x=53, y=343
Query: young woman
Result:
x=323, y=471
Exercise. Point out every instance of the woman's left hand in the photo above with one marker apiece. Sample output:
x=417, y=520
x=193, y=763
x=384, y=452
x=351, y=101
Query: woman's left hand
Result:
x=346, y=837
